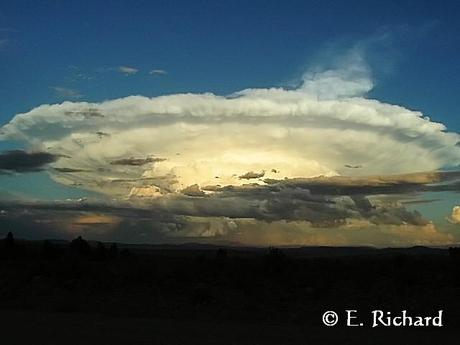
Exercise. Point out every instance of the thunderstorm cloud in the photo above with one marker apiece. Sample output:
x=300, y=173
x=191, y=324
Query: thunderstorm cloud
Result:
x=259, y=166
x=317, y=129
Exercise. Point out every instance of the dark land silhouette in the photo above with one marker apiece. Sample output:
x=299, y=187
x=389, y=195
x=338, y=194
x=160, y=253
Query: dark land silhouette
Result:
x=83, y=292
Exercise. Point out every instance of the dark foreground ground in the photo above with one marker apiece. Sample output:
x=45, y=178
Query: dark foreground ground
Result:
x=80, y=293
x=27, y=327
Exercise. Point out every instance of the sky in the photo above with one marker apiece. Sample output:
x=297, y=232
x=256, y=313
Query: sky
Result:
x=261, y=123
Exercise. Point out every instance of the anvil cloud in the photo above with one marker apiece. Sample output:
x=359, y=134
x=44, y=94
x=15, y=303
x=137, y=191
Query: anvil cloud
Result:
x=290, y=161
x=320, y=128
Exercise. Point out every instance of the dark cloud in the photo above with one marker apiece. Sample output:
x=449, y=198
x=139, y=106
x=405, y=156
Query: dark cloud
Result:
x=76, y=206
x=179, y=217
x=87, y=114
x=296, y=204
x=101, y=134
x=372, y=185
x=69, y=170
x=323, y=201
x=193, y=190
x=251, y=174
x=23, y=161
x=444, y=187
x=97, y=221
x=137, y=161
x=419, y=201
x=231, y=211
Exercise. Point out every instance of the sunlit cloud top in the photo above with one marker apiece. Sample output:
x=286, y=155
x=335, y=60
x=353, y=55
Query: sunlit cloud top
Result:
x=327, y=126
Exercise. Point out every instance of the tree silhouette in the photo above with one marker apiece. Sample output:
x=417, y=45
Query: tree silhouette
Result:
x=80, y=246
x=9, y=240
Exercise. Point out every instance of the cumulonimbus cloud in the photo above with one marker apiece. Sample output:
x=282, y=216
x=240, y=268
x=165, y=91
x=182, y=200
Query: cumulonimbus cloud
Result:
x=260, y=166
x=320, y=128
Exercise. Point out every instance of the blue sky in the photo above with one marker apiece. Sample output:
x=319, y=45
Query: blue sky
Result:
x=222, y=47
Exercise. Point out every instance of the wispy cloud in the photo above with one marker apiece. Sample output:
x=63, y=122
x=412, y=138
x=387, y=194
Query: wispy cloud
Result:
x=6, y=37
x=76, y=73
x=64, y=92
x=158, y=72
x=127, y=70
x=137, y=161
x=3, y=43
x=5, y=29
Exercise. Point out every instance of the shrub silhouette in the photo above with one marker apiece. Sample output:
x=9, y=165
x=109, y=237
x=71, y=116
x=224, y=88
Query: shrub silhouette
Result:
x=10, y=248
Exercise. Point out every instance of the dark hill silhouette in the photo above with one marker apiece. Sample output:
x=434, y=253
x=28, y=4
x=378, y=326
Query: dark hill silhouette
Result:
x=209, y=284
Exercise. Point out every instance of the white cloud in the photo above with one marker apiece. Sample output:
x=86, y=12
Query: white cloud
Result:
x=206, y=139
x=158, y=72
x=455, y=216
x=126, y=70
x=351, y=78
